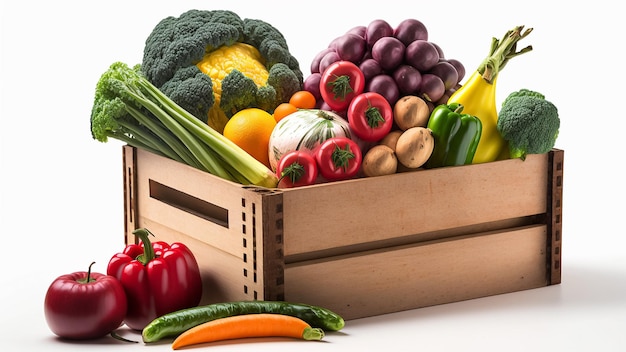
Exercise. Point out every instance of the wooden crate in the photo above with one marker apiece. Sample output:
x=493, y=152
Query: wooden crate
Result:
x=361, y=247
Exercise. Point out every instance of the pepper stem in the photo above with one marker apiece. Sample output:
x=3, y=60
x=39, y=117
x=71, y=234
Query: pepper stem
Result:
x=148, y=250
x=502, y=51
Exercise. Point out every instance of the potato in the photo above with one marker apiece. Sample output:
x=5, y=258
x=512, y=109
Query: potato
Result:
x=391, y=139
x=411, y=111
x=415, y=146
x=380, y=160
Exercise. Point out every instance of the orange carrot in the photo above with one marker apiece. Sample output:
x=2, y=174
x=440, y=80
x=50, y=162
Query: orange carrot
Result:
x=248, y=325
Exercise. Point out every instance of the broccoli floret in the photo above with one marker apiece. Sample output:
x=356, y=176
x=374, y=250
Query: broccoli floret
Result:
x=529, y=123
x=285, y=80
x=192, y=90
x=270, y=42
x=523, y=93
x=238, y=92
x=177, y=43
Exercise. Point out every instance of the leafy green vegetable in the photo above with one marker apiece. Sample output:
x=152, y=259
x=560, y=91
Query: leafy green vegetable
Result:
x=529, y=123
x=129, y=108
x=181, y=43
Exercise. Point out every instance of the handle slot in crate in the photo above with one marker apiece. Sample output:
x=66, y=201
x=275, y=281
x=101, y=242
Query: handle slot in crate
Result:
x=188, y=203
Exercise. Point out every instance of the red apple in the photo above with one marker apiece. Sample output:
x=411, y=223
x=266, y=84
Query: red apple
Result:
x=85, y=305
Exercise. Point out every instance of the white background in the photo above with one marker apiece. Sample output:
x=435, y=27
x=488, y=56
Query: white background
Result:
x=62, y=191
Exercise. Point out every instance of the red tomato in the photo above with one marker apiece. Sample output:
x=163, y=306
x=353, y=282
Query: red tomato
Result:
x=370, y=116
x=296, y=168
x=340, y=83
x=339, y=158
x=85, y=305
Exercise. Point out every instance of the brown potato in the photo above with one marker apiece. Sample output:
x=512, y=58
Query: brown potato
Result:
x=380, y=160
x=391, y=139
x=411, y=111
x=414, y=147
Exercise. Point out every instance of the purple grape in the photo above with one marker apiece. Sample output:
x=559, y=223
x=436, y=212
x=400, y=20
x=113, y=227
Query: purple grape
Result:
x=377, y=29
x=439, y=50
x=384, y=85
x=367, y=55
x=312, y=84
x=370, y=68
x=328, y=59
x=460, y=69
x=358, y=30
x=350, y=47
x=422, y=55
x=315, y=64
x=447, y=72
x=432, y=88
x=445, y=97
x=389, y=52
x=408, y=79
x=410, y=30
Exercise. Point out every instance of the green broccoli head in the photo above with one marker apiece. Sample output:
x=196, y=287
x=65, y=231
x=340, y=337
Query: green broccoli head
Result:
x=285, y=80
x=179, y=42
x=176, y=44
x=529, y=123
x=238, y=92
x=523, y=93
x=192, y=90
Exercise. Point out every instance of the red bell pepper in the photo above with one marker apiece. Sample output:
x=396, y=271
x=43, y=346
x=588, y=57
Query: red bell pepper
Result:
x=158, y=279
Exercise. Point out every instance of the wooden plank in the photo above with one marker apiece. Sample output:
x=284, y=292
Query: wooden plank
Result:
x=422, y=275
x=373, y=209
x=131, y=198
x=155, y=172
x=555, y=215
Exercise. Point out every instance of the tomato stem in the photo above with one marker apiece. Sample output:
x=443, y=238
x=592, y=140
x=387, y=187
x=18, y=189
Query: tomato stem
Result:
x=341, y=157
x=294, y=172
x=341, y=87
x=374, y=117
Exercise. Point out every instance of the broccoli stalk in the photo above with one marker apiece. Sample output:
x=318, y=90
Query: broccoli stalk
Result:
x=129, y=108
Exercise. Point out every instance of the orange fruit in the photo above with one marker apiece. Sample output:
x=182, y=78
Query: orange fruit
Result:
x=283, y=110
x=250, y=129
x=303, y=99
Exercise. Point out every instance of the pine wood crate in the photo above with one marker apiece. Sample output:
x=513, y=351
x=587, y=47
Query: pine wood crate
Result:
x=361, y=247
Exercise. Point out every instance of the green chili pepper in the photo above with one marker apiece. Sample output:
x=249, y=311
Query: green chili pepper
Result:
x=456, y=136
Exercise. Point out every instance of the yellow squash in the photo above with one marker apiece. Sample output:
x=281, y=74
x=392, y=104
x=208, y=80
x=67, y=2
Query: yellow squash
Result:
x=478, y=94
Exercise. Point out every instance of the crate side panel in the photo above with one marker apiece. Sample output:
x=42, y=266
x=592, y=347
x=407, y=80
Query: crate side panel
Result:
x=168, y=193
x=223, y=223
x=423, y=275
x=364, y=210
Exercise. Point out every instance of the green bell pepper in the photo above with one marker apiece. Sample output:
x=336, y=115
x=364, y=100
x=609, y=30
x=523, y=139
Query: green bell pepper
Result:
x=456, y=136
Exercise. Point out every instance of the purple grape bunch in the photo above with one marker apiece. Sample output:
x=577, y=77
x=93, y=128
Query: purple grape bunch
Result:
x=396, y=62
